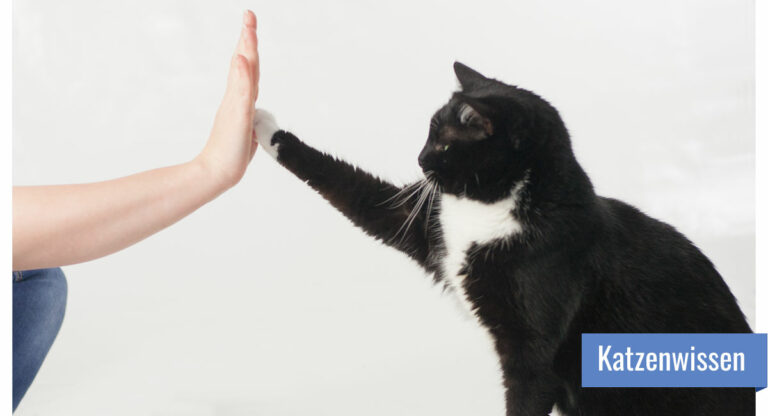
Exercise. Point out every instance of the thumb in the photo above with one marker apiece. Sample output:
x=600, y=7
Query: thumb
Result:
x=239, y=82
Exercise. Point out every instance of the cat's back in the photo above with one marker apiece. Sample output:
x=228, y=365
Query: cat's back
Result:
x=660, y=275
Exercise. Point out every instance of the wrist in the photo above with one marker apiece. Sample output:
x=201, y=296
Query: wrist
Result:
x=211, y=175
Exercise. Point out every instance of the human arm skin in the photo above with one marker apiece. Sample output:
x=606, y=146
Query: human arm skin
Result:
x=66, y=224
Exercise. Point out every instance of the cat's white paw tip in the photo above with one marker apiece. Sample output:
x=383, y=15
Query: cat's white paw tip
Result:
x=265, y=126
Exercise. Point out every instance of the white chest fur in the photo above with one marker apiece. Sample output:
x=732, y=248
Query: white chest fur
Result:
x=465, y=222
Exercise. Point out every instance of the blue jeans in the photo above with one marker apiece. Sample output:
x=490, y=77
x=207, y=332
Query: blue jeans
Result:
x=39, y=300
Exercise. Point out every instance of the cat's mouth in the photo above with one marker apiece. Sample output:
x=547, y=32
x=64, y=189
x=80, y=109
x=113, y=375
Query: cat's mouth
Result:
x=441, y=180
x=432, y=177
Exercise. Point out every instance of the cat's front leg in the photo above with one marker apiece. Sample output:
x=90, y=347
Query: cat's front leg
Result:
x=530, y=393
x=360, y=196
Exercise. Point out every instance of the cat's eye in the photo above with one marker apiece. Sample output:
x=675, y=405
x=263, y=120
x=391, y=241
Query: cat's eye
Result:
x=445, y=147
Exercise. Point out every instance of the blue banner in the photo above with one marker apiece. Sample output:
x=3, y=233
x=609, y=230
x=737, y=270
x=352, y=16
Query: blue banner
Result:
x=674, y=360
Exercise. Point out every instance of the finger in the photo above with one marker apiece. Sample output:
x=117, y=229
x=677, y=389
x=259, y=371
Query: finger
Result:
x=233, y=62
x=247, y=38
x=247, y=44
x=253, y=59
x=250, y=48
x=256, y=71
x=247, y=48
x=241, y=83
x=255, y=63
x=240, y=48
x=249, y=19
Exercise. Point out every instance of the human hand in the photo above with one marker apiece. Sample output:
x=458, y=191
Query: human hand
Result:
x=232, y=143
x=95, y=219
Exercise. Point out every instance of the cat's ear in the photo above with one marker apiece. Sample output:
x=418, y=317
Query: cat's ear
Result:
x=468, y=77
x=469, y=116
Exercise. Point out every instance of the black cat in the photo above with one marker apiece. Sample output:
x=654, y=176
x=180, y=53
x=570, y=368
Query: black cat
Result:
x=507, y=219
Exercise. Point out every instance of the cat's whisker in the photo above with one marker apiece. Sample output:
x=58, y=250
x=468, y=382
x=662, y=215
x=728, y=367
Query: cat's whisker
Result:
x=435, y=187
x=421, y=185
x=400, y=198
x=403, y=194
x=402, y=201
x=424, y=192
x=417, y=207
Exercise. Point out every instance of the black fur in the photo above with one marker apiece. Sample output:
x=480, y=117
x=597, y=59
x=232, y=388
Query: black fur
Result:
x=583, y=263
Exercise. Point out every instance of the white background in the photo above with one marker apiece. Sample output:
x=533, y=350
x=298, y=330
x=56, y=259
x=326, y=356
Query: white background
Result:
x=267, y=301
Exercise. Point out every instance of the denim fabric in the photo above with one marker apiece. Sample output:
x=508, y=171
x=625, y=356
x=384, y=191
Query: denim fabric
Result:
x=39, y=300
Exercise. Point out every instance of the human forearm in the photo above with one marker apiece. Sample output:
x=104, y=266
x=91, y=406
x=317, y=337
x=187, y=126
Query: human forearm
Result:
x=66, y=224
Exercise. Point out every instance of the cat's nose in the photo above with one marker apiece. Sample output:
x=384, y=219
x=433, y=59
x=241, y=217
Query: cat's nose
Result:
x=432, y=157
x=426, y=159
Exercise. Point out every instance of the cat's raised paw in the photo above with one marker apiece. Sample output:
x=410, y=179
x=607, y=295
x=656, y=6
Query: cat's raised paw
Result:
x=265, y=126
